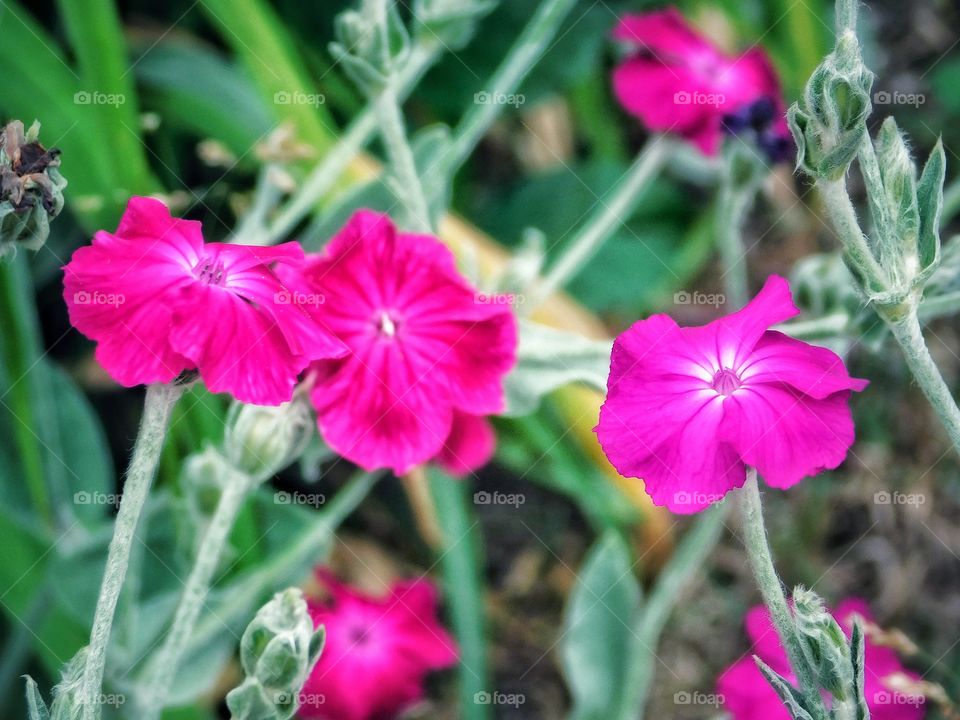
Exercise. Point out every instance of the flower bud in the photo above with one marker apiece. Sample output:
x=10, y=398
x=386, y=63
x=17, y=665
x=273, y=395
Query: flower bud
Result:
x=31, y=188
x=372, y=43
x=262, y=440
x=829, y=123
x=277, y=652
x=824, y=644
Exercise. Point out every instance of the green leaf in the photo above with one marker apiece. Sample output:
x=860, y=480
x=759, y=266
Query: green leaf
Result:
x=548, y=359
x=595, y=646
x=35, y=704
x=930, y=204
x=789, y=695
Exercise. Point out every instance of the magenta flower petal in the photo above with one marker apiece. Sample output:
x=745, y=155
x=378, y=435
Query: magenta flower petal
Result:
x=158, y=301
x=470, y=445
x=688, y=408
x=378, y=651
x=424, y=346
x=677, y=81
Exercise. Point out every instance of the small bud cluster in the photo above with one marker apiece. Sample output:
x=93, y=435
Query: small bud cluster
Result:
x=31, y=188
x=278, y=650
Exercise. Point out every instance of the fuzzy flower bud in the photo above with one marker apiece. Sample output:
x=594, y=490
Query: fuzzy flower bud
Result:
x=824, y=644
x=31, y=188
x=277, y=651
x=262, y=440
x=372, y=43
x=829, y=123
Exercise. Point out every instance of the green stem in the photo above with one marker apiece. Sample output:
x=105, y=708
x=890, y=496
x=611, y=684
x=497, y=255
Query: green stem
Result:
x=828, y=326
x=908, y=333
x=771, y=589
x=158, y=405
x=163, y=665
x=844, y=216
x=648, y=627
x=325, y=175
x=522, y=58
x=409, y=188
x=734, y=201
x=607, y=218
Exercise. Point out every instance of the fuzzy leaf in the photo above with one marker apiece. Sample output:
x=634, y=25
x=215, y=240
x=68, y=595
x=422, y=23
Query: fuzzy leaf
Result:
x=35, y=704
x=789, y=696
x=930, y=205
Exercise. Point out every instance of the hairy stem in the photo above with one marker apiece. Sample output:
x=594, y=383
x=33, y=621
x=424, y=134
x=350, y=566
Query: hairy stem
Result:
x=771, y=589
x=163, y=665
x=909, y=335
x=609, y=216
x=733, y=203
x=157, y=408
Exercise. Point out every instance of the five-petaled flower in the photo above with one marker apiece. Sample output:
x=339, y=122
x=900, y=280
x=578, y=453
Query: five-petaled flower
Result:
x=427, y=358
x=378, y=651
x=159, y=301
x=689, y=408
x=748, y=696
x=676, y=81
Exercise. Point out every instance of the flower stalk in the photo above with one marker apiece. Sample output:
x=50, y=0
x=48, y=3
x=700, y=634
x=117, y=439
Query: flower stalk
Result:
x=158, y=406
x=771, y=589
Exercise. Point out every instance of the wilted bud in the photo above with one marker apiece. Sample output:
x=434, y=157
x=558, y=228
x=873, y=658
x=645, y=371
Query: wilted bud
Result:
x=31, y=188
x=277, y=652
x=829, y=124
x=372, y=43
x=263, y=440
x=824, y=644
x=452, y=22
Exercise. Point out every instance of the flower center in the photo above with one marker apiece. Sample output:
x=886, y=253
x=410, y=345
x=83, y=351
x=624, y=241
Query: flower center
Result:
x=386, y=324
x=211, y=271
x=726, y=382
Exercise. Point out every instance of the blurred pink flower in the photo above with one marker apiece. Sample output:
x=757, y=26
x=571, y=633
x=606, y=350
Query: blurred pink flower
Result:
x=676, y=81
x=748, y=696
x=159, y=301
x=688, y=408
x=378, y=651
x=428, y=353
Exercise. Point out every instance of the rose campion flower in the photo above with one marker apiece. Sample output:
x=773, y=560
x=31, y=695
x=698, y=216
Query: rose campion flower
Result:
x=689, y=408
x=748, y=696
x=428, y=353
x=378, y=651
x=676, y=81
x=158, y=301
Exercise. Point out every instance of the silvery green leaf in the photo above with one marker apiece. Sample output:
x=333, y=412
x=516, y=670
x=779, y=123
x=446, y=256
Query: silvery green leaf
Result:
x=896, y=215
x=524, y=265
x=930, y=205
x=789, y=696
x=251, y=701
x=452, y=22
x=36, y=707
x=548, y=359
x=857, y=657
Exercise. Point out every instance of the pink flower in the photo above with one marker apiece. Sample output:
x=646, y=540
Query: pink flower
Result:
x=428, y=353
x=378, y=651
x=688, y=408
x=677, y=81
x=748, y=696
x=159, y=301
